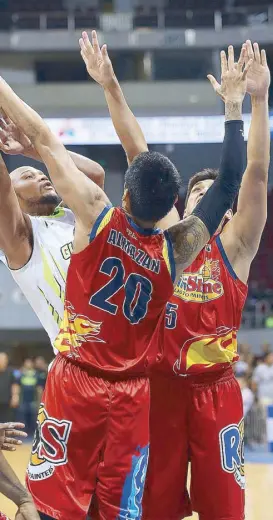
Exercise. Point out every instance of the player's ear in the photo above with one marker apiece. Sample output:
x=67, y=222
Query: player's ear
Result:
x=229, y=215
x=126, y=200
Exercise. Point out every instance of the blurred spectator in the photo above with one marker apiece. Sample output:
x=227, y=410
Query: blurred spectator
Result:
x=41, y=368
x=8, y=390
x=28, y=388
x=263, y=377
x=269, y=321
x=247, y=395
x=241, y=367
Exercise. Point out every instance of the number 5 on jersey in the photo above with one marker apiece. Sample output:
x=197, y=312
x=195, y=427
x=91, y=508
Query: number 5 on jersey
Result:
x=138, y=291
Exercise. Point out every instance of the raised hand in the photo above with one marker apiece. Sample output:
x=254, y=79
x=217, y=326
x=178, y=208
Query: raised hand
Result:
x=233, y=76
x=96, y=59
x=258, y=76
x=12, y=140
x=8, y=434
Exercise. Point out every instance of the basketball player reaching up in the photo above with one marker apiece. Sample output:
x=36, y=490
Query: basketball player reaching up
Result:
x=93, y=430
x=36, y=233
x=10, y=485
x=194, y=388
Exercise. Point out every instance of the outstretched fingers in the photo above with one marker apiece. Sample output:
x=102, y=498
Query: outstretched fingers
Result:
x=224, y=63
x=242, y=58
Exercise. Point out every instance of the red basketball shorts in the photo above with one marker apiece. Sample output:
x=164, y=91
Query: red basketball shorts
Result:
x=197, y=419
x=91, y=439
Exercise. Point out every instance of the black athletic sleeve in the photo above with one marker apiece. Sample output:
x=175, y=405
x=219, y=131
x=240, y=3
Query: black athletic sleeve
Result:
x=221, y=195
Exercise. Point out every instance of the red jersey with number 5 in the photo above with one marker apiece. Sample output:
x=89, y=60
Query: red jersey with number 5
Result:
x=203, y=315
x=116, y=292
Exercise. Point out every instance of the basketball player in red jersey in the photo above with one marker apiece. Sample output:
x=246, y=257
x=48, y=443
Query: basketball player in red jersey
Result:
x=93, y=430
x=196, y=404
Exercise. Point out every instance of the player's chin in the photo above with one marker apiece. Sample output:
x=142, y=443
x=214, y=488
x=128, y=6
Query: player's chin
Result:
x=50, y=197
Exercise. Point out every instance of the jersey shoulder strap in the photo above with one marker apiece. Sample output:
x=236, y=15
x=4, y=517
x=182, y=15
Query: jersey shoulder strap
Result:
x=102, y=221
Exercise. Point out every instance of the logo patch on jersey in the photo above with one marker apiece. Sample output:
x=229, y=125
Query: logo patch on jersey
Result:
x=67, y=250
x=75, y=330
x=231, y=441
x=49, y=447
x=130, y=506
x=207, y=351
x=203, y=286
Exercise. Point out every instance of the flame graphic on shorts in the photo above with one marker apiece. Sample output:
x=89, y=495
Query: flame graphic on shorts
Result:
x=207, y=350
x=75, y=330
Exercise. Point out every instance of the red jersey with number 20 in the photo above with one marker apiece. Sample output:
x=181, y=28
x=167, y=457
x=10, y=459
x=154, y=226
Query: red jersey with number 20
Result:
x=116, y=292
x=204, y=315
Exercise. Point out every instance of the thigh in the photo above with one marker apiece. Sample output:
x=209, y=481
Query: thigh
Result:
x=166, y=495
x=216, y=442
x=121, y=474
x=70, y=433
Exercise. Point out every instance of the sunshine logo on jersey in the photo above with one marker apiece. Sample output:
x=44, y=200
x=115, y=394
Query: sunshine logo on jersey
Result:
x=75, y=330
x=231, y=441
x=203, y=286
x=207, y=350
x=49, y=447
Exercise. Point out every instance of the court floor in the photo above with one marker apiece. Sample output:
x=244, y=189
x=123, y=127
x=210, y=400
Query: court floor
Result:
x=259, y=487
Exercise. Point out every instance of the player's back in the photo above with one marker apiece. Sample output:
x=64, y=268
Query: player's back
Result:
x=42, y=279
x=116, y=293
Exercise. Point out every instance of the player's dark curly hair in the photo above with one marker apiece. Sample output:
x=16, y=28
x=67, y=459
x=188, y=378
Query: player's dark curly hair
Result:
x=203, y=175
x=153, y=183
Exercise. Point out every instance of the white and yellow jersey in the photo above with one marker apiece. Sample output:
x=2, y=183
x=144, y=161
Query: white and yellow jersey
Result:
x=42, y=279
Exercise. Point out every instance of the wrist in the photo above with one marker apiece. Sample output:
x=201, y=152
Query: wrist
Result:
x=259, y=100
x=31, y=152
x=112, y=84
x=233, y=110
x=25, y=498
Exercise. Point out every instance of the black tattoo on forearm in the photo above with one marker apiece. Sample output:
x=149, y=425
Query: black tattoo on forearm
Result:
x=188, y=238
x=233, y=110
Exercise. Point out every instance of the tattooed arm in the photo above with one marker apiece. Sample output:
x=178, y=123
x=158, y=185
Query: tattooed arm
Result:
x=191, y=235
x=188, y=238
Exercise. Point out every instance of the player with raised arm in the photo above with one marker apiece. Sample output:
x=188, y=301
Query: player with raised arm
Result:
x=36, y=233
x=10, y=486
x=93, y=430
x=194, y=388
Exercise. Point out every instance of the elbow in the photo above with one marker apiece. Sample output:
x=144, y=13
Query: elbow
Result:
x=100, y=176
x=42, y=137
x=135, y=151
x=97, y=174
x=260, y=169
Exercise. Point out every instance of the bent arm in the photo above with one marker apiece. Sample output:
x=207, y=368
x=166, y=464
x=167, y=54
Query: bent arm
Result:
x=191, y=235
x=245, y=229
x=10, y=486
x=80, y=194
x=15, y=227
x=91, y=169
x=124, y=121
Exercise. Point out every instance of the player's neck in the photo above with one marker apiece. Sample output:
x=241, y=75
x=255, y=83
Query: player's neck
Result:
x=41, y=210
x=143, y=224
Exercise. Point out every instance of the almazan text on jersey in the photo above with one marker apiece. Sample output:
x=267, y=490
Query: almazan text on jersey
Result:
x=116, y=238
